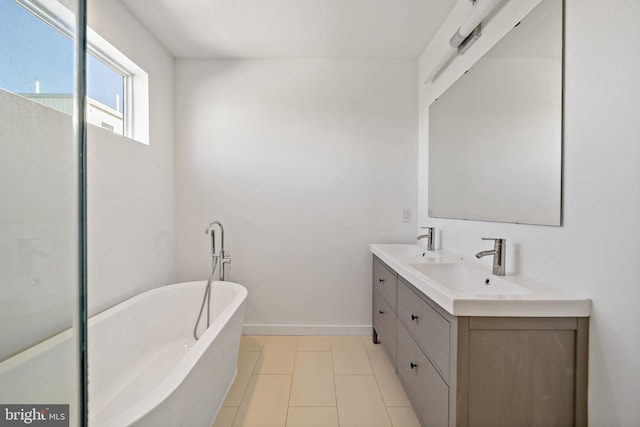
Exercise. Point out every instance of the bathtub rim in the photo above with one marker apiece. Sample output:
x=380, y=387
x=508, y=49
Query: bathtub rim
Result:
x=159, y=289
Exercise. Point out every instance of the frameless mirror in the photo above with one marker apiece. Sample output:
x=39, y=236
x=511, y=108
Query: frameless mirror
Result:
x=495, y=135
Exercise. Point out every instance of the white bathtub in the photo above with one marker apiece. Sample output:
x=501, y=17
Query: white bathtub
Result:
x=145, y=367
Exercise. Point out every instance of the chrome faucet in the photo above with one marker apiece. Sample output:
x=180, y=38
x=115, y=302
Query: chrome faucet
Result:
x=429, y=236
x=499, y=253
x=222, y=256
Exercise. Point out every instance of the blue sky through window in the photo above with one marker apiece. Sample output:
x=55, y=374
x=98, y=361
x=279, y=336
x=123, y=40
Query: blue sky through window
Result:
x=104, y=83
x=31, y=50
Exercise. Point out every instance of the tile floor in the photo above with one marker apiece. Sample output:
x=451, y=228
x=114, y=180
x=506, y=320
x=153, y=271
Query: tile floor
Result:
x=289, y=381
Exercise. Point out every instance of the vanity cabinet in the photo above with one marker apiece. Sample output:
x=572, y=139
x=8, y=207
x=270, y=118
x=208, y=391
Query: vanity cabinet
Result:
x=430, y=329
x=385, y=289
x=486, y=371
x=428, y=392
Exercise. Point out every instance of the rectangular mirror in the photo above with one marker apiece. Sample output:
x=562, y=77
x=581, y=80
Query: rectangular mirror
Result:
x=495, y=135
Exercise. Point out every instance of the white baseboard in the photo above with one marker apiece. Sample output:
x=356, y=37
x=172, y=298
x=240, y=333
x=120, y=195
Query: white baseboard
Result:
x=308, y=330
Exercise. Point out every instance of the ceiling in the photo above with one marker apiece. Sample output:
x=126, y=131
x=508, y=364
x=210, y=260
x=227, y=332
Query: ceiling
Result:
x=293, y=28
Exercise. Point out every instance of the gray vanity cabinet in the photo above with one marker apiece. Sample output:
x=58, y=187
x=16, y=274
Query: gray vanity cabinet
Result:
x=426, y=334
x=385, y=280
x=483, y=371
x=428, y=392
x=432, y=331
x=385, y=288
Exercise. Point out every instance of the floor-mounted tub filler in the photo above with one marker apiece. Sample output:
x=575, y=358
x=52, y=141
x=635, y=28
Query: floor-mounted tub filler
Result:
x=145, y=366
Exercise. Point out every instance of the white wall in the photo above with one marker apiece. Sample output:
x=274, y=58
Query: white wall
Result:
x=305, y=162
x=595, y=252
x=131, y=185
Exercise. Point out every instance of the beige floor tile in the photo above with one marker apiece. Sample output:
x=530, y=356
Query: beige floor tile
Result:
x=349, y=356
x=339, y=342
x=314, y=344
x=275, y=363
x=265, y=402
x=246, y=363
x=252, y=342
x=359, y=402
x=392, y=391
x=278, y=356
x=225, y=416
x=369, y=345
x=312, y=417
x=280, y=343
x=403, y=417
x=380, y=362
x=312, y=383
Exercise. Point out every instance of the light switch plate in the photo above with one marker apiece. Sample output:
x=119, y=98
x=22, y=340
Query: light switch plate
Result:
x=405, y=215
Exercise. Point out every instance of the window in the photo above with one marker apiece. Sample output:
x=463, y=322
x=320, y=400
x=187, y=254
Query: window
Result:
x=106, y=95
x=37, y=53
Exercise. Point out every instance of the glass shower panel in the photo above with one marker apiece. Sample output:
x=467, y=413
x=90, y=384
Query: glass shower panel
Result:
x=40, y=201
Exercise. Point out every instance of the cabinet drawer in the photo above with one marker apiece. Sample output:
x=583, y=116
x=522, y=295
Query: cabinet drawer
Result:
x=428, y=393
x=384, y=321
x=386, y=282
x=427, y=326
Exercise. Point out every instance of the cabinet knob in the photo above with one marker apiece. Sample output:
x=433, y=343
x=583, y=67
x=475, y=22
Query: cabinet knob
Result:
x=413, y=365
x=381, y=312
x=414, y=317
x=381, y=280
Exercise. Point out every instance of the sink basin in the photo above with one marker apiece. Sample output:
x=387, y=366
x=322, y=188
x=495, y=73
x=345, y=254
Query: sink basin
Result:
x=413, y=252
x=468, y=280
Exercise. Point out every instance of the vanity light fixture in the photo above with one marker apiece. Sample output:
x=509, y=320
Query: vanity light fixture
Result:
x=465, y=36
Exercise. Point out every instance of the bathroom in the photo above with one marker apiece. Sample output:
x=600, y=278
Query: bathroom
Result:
x=308, y=148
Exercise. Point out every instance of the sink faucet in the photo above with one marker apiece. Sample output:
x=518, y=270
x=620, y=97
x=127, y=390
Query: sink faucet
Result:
x=429, y=236
x=499, y=252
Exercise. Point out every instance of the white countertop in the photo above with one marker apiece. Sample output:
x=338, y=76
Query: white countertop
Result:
x=506, y=296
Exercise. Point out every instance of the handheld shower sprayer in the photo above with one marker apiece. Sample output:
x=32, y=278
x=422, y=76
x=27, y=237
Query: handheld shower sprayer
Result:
x=211, y=229
x=221, y=256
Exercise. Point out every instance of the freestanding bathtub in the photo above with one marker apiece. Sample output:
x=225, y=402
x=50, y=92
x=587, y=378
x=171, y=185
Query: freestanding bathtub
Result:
x=145, y=367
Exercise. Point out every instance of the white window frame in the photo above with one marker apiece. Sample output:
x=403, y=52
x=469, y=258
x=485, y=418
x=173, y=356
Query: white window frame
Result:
x=136, y=80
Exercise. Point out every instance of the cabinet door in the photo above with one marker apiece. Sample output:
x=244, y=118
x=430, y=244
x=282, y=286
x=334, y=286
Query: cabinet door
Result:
x=386, y=282
x=427, y=391
x=384, y=321
x=521, y=377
